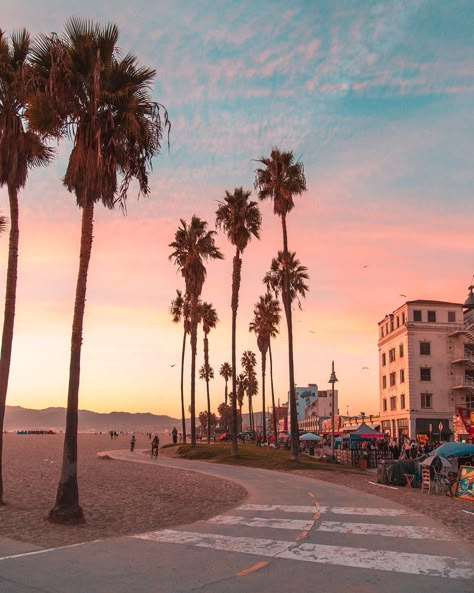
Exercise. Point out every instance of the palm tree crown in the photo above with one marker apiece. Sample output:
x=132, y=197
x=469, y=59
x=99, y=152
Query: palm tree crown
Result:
x=192, y=245
x=266, y=319
x=209, y=317
x=225, y=371
x=239, y=218
x=102, y=100
x=280, y=178
x=297, y=275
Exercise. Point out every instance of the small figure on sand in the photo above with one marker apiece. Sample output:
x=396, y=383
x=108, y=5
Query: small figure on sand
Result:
x=154, y=446
x=174, y=434
x=132, y=443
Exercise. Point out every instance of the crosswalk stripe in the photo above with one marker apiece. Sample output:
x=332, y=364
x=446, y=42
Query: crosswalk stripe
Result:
x=408, y=563
x=408, y=531
x=297, y=524
x=375, y=512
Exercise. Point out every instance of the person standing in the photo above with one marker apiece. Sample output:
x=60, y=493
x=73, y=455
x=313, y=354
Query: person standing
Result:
x=174, y=434
x=154, y=446
x=132, y=443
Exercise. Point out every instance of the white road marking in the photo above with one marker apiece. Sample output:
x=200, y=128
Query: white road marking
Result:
x=409, y=531
x=45, y=550
x=297, y=524
x=409, y=563
x=374, y=511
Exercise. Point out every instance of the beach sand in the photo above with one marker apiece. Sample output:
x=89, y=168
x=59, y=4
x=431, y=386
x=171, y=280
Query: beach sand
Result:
x=117, y=497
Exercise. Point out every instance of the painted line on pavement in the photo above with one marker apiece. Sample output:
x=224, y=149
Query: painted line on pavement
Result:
x=297, y=524
x=45, y=550
x=408, y=531
x=253, y=568
x=408, y=563
x=376, y=512
x=382, y=485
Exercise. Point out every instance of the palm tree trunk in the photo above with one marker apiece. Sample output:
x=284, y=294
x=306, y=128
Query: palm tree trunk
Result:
x=275, y=431
x=264, y=420
x=194, y=324
x=206, y=366
x=236, y=271
x=183, y=413
x=225, y=395
x=8, y=316
x=67, y=509
x=289, y=323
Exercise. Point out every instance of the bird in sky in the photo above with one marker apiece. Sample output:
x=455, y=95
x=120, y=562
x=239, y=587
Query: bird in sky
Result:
x=365, y=368
x=403, y=295
x=172, y=365
x=311, y=331
x=366, y=266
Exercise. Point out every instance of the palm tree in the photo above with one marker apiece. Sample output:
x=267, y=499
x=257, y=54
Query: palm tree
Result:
x=241, y=389
x=249, y=362
x=194, y=244
x=209, y=320
x=239, y=218
x=20, y=150
x=287, y=269
x=206, y=373
x=180, y=312
x=226, y=373
x=265, y=326
x=102, y=102
x=280, y=179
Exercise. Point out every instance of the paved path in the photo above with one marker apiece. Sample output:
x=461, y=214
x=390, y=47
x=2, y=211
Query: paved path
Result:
x=293, y=534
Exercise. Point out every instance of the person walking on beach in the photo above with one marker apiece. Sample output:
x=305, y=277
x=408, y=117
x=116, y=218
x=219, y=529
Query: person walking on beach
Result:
x=132, y=443
x=154, y=446
x=174, y=434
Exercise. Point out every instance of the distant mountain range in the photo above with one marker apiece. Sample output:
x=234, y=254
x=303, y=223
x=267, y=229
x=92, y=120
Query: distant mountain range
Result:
x=18, y=418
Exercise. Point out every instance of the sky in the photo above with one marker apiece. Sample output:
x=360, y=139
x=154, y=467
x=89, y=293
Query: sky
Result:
x=374, y=97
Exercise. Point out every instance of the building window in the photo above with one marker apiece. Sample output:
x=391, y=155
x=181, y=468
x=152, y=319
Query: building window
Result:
x=470, y=402
x=426, y=400
x=402, y=375
x=384, y=359
x=398, y=321
x=386, y=426
x=391, y=324
x=403, y=319
x=400, y=351
x=381, y=332
x=391, y=355
x=393, y=403
x=451, y=316
x=432, y=316
x=425, y=348
x=416, y=315
x=384, y=382
x=425, y=374
x=402, y=401
x=386, y=328
x=392, y=379
x=384, y=405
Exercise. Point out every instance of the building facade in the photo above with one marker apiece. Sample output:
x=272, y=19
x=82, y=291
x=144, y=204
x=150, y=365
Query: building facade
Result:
x=318, y=410
x=426, y=368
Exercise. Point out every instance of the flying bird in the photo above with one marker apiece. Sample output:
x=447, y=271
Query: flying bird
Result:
x=172, y=365
x=366, y=266
x=311, y=331
x=403, y=295
x=365, y=368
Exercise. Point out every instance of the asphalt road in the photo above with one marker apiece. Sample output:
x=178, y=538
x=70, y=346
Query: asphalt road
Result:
x=292, y=534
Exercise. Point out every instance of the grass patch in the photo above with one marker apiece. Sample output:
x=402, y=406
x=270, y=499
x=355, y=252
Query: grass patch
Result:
x=169, y=446
x=261, y=457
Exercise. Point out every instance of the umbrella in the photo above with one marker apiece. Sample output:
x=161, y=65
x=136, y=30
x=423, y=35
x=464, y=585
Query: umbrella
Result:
x=310, y=436
x=444, y=462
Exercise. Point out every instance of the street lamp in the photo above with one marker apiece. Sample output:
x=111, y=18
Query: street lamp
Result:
x=332, y=380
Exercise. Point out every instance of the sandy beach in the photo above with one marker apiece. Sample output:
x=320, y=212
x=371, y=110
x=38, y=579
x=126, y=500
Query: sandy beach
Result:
x=117, y=497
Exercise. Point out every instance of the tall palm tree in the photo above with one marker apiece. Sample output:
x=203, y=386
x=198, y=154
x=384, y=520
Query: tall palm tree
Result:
x=240, y=219
x=102, y=102
x=226, y=373
x=20, y=150
x=209, y=320
x=206, y=373
x=241, y=389
x=280, y=179
x=192, y=246
x=287, y=269
x=265, y=326
x=180, y=312
x=249, y=362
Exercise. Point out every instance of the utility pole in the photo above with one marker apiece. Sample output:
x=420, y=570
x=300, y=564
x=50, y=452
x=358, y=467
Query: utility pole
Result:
x=332, y=380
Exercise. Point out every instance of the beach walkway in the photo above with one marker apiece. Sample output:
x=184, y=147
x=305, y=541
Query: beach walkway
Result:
x=291, y=534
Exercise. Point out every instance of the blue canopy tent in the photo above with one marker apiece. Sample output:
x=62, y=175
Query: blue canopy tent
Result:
x=453, y=450
x=310, y=436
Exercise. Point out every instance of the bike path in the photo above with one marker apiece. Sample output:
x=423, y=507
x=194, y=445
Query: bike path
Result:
x=291, y=533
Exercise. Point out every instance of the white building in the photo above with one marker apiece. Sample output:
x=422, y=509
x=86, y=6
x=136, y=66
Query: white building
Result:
x=426, y=367
x=315, y=408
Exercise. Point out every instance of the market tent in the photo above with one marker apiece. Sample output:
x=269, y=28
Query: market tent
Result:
x=365, y=432
x=454, y=450
x=310, y=436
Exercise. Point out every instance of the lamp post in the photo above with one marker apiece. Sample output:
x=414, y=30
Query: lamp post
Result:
x=332, y=380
